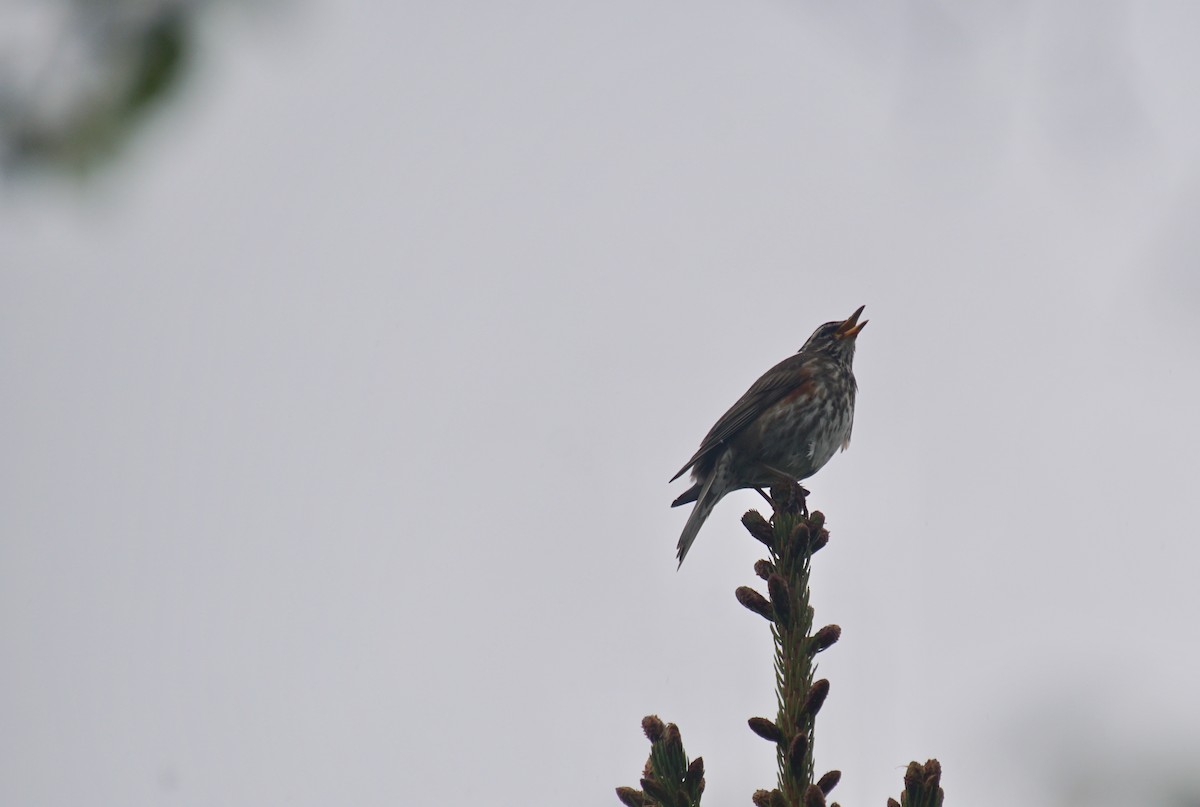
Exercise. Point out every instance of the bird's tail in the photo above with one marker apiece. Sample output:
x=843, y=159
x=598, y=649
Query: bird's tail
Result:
x=689, y=495
x=707, y=498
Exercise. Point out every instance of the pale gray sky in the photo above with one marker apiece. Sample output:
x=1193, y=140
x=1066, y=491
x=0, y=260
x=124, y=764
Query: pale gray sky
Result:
x=339, y=412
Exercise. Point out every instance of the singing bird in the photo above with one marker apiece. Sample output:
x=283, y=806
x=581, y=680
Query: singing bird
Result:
x=786, y=427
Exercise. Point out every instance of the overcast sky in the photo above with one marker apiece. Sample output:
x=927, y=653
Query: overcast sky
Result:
x=339, y=412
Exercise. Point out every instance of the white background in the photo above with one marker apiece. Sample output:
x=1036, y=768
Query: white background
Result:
x=338, y=414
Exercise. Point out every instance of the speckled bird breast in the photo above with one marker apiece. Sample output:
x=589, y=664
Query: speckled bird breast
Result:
x=800, y=433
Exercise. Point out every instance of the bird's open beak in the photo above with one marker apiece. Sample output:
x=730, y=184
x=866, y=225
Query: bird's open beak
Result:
x=850, y=328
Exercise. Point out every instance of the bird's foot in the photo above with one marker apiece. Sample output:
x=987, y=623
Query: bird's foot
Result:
x=789, y=497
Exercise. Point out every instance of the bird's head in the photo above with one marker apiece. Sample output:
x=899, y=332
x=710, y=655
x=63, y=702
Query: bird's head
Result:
x=836, y=339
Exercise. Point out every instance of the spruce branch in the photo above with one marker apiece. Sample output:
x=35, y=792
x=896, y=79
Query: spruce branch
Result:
x=669, y=779
x=792, y=536
x=922, y=786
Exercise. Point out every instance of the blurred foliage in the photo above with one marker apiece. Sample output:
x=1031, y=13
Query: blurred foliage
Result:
x=77, y=77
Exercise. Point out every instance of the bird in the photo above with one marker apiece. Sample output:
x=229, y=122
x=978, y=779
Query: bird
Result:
x=789, y=423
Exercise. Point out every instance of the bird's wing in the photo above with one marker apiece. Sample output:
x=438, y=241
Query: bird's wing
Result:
x=789, y=376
